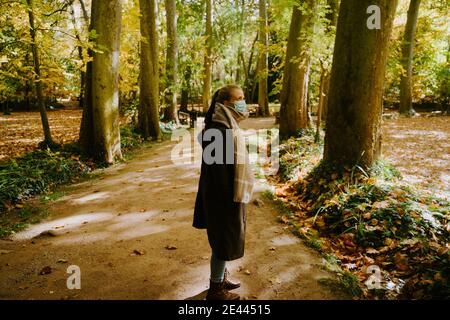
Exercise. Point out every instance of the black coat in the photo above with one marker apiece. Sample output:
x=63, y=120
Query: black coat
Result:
x=215, y=210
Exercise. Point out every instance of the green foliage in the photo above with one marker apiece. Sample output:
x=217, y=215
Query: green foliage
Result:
x=129, y=137
x=298, y=154
x=34, y=173
x=431, y=55
x=19, y=219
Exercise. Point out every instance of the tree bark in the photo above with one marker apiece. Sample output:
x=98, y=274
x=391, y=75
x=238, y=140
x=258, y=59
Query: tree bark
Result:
x=247, y=68
x=294, y=94
x=80, y=56
x=207, y=76
x=240, y=69
x=148, y=118
x=353, y=133
x=331, y=16
x=170, y=113
x=407, y=58
x=324, y=82
x=48, y=141
x=100, y=132
x=263, y=100
x=186, y=89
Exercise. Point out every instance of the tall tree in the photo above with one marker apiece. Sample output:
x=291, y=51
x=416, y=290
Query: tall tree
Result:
x=294, y=94
x=48, y=141
x=353, y=133
x=99, y=133
x=263, y=100
x=80, y=56
x=170, y=113
x=207, y=75
x=407, y=58
x=240, y=7
x=331, y=17
x=148, y=116
x=330, y=25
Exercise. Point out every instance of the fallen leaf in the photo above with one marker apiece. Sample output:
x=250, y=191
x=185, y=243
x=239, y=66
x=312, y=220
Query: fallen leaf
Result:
x=46, y=270
x=368, y=260
x=372, y=251
x=138, y=252
x=284, y=219
x=380, y=204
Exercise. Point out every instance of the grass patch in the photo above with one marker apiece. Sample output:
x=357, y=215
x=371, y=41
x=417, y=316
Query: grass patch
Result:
x=18, y=219
x=36, y=173
x=345, y=282
x=52, y=196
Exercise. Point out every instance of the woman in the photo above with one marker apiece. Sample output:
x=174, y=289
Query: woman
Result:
x=225, y=187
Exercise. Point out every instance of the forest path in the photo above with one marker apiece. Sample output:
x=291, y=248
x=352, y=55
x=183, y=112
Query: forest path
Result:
x=146, y=204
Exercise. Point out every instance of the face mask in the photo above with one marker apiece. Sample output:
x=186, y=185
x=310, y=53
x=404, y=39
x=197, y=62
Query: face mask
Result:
x=240, y=106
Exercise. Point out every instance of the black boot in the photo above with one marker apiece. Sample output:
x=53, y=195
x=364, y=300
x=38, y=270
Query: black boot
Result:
x=228, y=283
x=217, y=291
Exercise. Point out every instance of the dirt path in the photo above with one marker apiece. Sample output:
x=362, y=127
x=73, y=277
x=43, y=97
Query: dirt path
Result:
x=147, y=205
x=419, y=147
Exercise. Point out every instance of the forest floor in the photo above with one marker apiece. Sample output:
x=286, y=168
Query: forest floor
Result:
x=130, y=231
x=129, y=227
x=419, y=148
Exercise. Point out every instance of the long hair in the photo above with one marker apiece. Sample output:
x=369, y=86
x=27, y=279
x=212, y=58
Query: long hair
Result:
x=221, y=95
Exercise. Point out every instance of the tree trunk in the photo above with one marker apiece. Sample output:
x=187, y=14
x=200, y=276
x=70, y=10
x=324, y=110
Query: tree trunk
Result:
x=324, y=82
x=353, y=133
x=263, y=100
x=248, y=88
x=80, y=56
x=100, y=134
x=331, y=16
x=294, y=94
x=38, y=80
x=170, y=113
x=148, y=119
x=407, y=58
x=240, y=69
x=207, y=76
x=186, y=89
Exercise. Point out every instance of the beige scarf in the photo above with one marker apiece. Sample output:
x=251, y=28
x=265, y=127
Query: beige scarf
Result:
x=243, y=175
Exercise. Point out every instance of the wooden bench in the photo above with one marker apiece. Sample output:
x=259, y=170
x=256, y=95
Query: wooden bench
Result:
x=183, y=117
x=253, y=110
x=277, y=117
x=190, y=116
